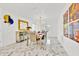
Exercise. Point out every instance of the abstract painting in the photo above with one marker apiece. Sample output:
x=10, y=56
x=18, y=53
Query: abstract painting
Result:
x=8, y=19
x=71, y=22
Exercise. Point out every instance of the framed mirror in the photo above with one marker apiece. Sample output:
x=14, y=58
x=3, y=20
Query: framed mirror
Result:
x=22, y=24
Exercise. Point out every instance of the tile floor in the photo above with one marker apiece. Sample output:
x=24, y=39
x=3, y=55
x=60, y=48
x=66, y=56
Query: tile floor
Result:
x=20, y=49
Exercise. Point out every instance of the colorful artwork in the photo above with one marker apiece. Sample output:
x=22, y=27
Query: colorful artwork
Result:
x=71, y=31
x=8, y=19
x=71, y=24
x=76, y=11
x=76, y=31
x=65, y=24
x=71, y=12
x=66, y=17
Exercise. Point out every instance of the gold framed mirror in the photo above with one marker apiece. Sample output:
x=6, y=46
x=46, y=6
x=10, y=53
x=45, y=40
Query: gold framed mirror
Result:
x=22, y=24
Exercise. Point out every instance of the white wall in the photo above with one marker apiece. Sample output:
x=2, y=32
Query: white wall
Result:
x=0, y=30
x=8, y=34
x=70, y=46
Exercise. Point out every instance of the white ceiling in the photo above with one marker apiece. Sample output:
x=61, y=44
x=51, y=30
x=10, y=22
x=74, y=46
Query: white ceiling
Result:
x=49, y=9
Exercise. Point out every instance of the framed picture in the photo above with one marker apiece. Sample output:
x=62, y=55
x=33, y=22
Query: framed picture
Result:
x=65, y=17
x=22, y=24
x=71, y=12
x=71, y=24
